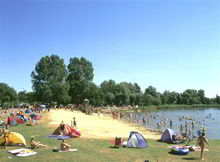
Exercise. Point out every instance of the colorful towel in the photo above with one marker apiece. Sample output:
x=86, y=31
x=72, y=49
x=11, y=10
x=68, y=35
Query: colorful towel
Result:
x=58, y=137
x=22, y=152
x=196, y=148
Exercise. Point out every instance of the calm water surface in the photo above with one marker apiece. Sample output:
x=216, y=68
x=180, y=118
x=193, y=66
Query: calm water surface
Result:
x=160, y=120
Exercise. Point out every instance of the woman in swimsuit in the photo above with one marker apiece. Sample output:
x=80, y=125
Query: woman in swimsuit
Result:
x=201, y=142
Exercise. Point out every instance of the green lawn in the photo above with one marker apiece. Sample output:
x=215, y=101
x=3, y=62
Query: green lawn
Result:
x=99, y=150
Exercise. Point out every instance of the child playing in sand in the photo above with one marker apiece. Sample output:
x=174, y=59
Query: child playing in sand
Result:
x=201, y=142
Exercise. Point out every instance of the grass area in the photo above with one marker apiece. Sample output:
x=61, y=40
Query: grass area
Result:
x=99, y=149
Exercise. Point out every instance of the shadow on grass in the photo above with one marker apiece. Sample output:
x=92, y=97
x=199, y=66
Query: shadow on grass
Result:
x=176, y=154
x=191, y=158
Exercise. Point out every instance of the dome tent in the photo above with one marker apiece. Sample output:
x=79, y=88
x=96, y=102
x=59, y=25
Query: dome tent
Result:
x=167, y=136
x=14, y=138
x=136, y=140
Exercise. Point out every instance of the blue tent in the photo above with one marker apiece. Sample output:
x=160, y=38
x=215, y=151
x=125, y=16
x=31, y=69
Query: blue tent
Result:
x=136, y=140
x=167, y=136
x=28, y=111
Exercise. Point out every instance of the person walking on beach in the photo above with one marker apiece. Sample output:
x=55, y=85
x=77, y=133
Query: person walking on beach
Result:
x=74, y=122
x=201, y=142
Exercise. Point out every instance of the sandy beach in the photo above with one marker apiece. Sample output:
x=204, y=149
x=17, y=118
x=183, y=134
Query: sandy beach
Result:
x=94, y=126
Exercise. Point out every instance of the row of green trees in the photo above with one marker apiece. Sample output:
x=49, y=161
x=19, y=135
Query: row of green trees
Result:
x=53, y=81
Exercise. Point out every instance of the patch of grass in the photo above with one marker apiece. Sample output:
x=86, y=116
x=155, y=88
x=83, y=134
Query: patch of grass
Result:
x=99, y=149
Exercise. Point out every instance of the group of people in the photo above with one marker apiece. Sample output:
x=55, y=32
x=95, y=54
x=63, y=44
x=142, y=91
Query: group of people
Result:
x=36, y=144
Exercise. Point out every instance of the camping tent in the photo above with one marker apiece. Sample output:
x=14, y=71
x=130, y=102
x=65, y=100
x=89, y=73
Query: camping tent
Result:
x=167, y=136
x=28, y=111
x=14, y=138
x=136, y=140
x=68, y=131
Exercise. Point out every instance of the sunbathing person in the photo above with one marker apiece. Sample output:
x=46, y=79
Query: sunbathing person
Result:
x=64, y=146
x=35, y=144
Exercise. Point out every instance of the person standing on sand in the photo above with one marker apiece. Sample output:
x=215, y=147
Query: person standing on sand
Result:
x=74, y=122
x=6, y=134
x=62, y=127
x=130, y=117
x=201, y=142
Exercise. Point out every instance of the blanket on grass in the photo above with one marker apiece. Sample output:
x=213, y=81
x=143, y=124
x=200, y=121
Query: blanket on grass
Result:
x=58, y=137
x=22, y=152
x=196, y=148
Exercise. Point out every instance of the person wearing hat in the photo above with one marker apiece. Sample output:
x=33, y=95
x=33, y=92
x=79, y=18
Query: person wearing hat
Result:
x=201, y=142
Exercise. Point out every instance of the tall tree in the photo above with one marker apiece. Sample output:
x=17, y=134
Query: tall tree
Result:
x=151, y=96
x=108, y=88
x=48, y=80
x=201, y=94
x=7, y=94
x=80, y=74
x=94, y=94
x=22, y=96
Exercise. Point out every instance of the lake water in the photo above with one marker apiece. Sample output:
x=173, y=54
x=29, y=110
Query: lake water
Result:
x=160, y=120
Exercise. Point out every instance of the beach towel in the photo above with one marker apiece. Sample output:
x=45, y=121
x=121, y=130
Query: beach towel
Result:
x=70, y=150
x=58, y=137
x=196, y=148
x=22, y=152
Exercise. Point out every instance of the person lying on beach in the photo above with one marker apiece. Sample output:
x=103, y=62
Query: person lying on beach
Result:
x=201, y=142
x=64, y=146
x=35, y=144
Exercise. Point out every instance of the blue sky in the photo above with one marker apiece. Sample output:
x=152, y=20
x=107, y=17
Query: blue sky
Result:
x=169, y=44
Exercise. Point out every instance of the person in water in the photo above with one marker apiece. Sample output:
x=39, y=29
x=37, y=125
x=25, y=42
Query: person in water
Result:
x=201, y=142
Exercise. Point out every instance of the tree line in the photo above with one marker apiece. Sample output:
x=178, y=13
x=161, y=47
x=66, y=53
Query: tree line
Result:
x=53, y=81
